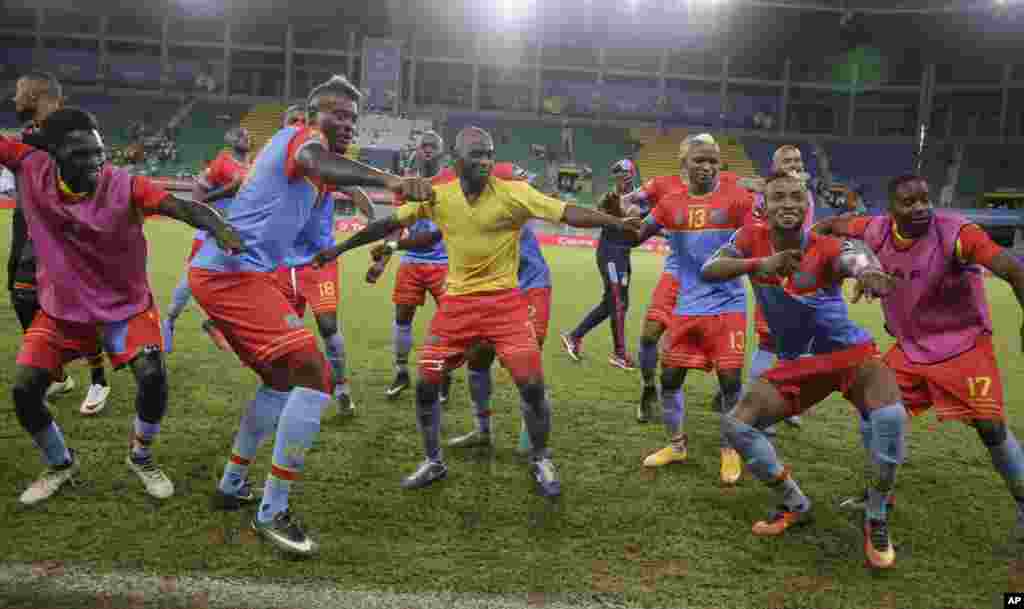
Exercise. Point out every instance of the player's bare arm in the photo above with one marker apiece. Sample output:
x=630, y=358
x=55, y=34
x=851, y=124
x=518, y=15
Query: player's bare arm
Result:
x=1008, y=268
x=362, y=202
x=201, y=215
x=728, y=263
x=318, y=162
x=419, y=241
x=836, y=225
x=375, y=231
x=581, y=217
x=222, y=192
x=858, y=261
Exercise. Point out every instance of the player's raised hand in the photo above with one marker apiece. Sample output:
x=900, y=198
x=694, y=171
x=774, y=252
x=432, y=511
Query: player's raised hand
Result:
x=228, y=239
x=415, y=189
x=875, y=284
x=783, y=264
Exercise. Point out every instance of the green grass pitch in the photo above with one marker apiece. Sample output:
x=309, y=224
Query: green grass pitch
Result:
x=670, y=538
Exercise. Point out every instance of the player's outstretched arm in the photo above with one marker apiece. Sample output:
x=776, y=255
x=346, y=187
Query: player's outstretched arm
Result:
x=581, y=217
x=729, y=263
x=1009, y=268
x=201, y=215
x=419, y=241
x=375, y=231
x=362, y=202
x=222, y=192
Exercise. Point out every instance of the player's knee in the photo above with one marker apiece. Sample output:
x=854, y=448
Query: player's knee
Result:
x=151, y=378
x=882, y=389
x=532, y=392
x=29, y=390
x=652, y=332
x=404, y=314
x=992, y=433
x=327, y=323
x=427, y=392
x=480, y=356
x=307, y=368
x=672, y=378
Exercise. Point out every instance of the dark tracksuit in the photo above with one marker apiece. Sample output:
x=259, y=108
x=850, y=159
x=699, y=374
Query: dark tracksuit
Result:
x=613, y=263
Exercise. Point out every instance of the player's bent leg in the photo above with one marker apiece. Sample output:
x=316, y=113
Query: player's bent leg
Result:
x=30, y=408
x=150, y=406
x=179, y=300
x=1008, y=459
x=404, y=314
x=297, y=429
x=478, y=373
x=674, y=416
x=334, y=350
x=876, y=392
x=764, y=405
x=258, y=421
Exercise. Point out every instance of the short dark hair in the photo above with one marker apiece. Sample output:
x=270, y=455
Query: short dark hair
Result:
x=336, y=84
x=53, y=87
x=58, y=125
x=900, y=180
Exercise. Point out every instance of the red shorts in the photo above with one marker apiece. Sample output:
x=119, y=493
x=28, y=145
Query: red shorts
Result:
x=253, y=314
x=317, y=287
x=197, y=244
x=499, y=318
x=663, y=300
x=965, y=387
x=705, y=342
x=805, y=381
x=50, y=343
x=414, y=281
x=765, y=341
x=540, y=311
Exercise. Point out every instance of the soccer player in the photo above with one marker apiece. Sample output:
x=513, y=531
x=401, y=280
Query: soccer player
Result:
x=37, y=96
x=797, y=278
x=318, y=287
x=85, y=219
x=241, y=293
x=938, y=312
x=294, y=116
x=219, y=184
x=663, y=300
x=613, y=264
x=786, y=159
x=708, y=325
x=422, y=269
x=481, y=218
x=534, y=277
